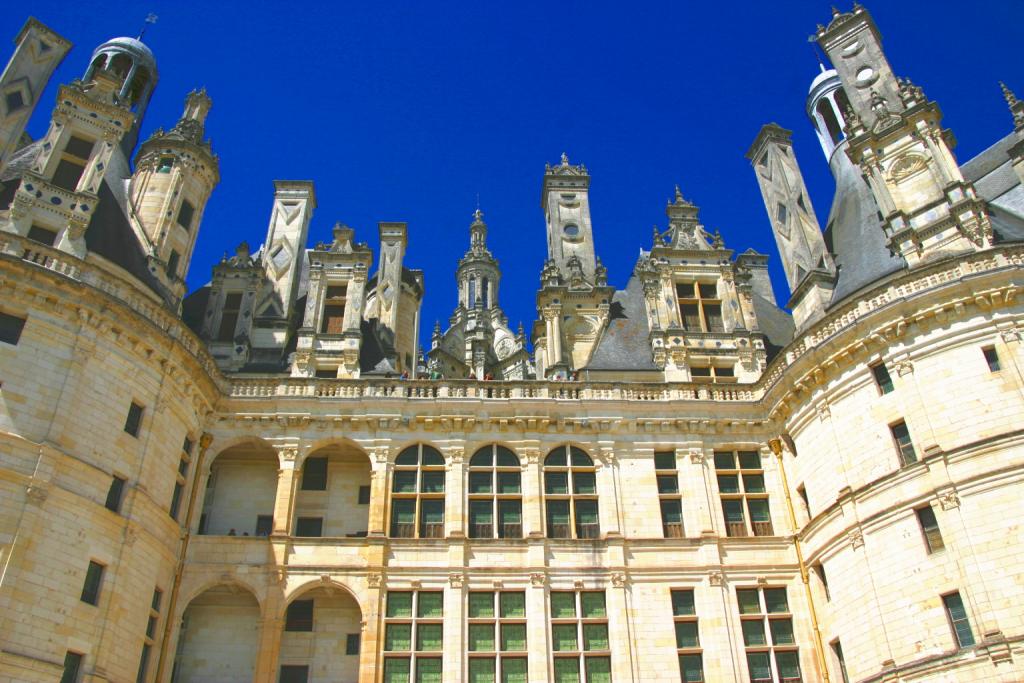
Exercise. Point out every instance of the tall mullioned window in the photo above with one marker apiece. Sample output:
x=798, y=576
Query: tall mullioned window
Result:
x=570, y=494
x=744, y=497
x=150, y=639
x=413, y=636
x=579, y=637
x=684, y=614
x=668, y=494
x=904, y=444
x=497, y=637
x=495, y=494
x=181, y=477
x=767, y=624
x=417, y=493
x=958, y=622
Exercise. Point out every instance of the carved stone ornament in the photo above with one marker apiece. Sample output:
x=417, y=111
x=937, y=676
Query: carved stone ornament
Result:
x=380, y=454
x=906, y=166
x=856, y=538
x=530, y=456
x=903, y=367
x=696, y=456
x=1011, y=335
x=949, y=500
x=288, y=453
x=456, y=580
x=716, y=578
x=36, y=492
x=374, y=580
x=619, y=580
x=824, y=411
x=538, y=579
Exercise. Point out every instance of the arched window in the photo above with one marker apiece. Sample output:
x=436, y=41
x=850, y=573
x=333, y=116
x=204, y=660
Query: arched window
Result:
x=495, y=494
x=828, y=117
x=485, y=293
x=472, y=293
x=417, y=493
x=570, y=494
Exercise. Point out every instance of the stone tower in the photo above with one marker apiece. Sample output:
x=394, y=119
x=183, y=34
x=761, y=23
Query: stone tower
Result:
x=38, y=51
x=809, y=269
x=175, y=172
x=566, y=203
x=896, y=138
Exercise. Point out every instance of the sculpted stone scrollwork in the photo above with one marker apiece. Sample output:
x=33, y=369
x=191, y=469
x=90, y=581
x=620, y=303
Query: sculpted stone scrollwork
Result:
x=375, y=580
x=619, y=580
x=856, y=538
x=716, y=579
x=903, y=367
x=949, y=500
x=456, y=579
x=538, y=579
x=696, y=456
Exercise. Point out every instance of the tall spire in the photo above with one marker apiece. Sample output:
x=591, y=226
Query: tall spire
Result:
x=478, y=232
x=1016, y=106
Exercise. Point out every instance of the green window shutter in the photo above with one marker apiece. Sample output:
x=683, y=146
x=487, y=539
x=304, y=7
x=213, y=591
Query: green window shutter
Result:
x=399, y=604
x=595, y=636
x=563, y=637
x=481, y=605
x=481, y=638
x=431, y=604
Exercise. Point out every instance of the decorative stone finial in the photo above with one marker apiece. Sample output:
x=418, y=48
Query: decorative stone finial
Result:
x=565, y=159
x=718, y=242
x=1008, y=95
x=1016, y=106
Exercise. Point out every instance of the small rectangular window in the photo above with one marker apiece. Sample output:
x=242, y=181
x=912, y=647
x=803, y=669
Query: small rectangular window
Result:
x=352, y=644
x=294, y=673
x=14, y=100
x=314, y=474
x=93, y=578
x=364, y=495
x=77, y=147
x=37, y=233
x=185, y=214
x=309, y=527
x=114, y=494
x=299, y=616
x=992, y=358
x=327, y=374
x=819, y=569
x=165, y=165
x=172, y=264
x=229, y=317
x=72, y=666
x=958, y=619
x=10, y=328
x=333, y=320
x=837, y=650
x=664, y=460
x=179, y=489
x=930, y=529
x=904, y=446
x=134, y=419
x=781, y=213
x=882, y=379
x=264, y=525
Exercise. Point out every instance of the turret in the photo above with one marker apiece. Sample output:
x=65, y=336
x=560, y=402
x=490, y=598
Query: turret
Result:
x=175, y=172
x=38, y=51
x=130, y=67
x=1016, y=151
x=478, y=274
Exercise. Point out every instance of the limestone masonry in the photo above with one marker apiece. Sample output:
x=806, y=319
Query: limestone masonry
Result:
x=267, y=479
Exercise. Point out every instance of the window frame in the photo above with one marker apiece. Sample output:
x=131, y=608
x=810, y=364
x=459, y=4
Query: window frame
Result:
x=498, y=655
x=581, y=654
x=115, y=494
x=701, y=301
x=11, y=328
x=952, y=621
x=93, y=583
x=991, y=355
x=133, y=420
x=413, y=654
x=674, y=496
x=882, y=377
x=687, y=618
x=572, y=499
x=742, y=495
x=72, y=667
x=905, y=452
x=336, y=301
x=765, y=617
x=149, y=639
x=71, y=158
x=418, y=496
x=494, y=496
x=930, y=531
x=300, y=623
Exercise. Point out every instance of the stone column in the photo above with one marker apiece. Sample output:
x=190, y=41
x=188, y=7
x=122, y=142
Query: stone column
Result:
x=378, y=491
x=453, y=647
x=271, y=631
x=537, y=634
x=287, y=482
x=620, y=640
x=370, y=636
x=533, y=497
x=608, y=506
x=454, y=512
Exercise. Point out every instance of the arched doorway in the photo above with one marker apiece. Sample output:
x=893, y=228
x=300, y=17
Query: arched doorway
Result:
x=219, y=637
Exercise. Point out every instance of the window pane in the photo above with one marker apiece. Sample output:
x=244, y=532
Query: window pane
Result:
x=482, y=458
x=428, y=637
x=513, y=670
x=396, y=670
x=563, y=637
x=750, y=460
x=758, y=510
x=686, y=634
x=592, y=605
x=691, y=317
x=556, y=482
x=481, y=670
x=668, y=484
x=506, y=458
x=432, y=482
x=510, y=517
x=748, y=601
x=398, y=637
x=682, y=603
x=586, y=519
x=513, y=637
x=480, y=512
x=481, y=605
x=599, y=670
x=556, y=458
x=410, y=456
x=753, y=632
x=430, y=605
x=558, y=518
x=580, y=458
x=760, y=668
x=691, y=668
x=403, y=518
x=713, y=316
x=480, y=482
x=399, y=604
x=567, y=670
x=789, y=665
x=733, y=510
x=671, y=512
x=428, y=670
x=563, y=605
x=782, y=631
x=404, y=481
x=595, y=636
x=508, y=482
x=584, y=482
x=728, y=483
x=431, y=456
x=481, y=637
x=665, y=460
x=432, y=518
x=314, y=474
x=753, y=483
x=725, y=460
x=513, y=605
x=775, y=600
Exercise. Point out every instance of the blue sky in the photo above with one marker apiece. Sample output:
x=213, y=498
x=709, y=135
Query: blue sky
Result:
x=409, y=111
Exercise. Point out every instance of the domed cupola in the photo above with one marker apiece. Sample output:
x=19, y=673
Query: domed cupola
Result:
x=130, y=64
x=478, y=273
x=826, y=105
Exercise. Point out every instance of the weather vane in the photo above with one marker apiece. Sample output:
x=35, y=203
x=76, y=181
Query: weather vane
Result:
x=150, y=19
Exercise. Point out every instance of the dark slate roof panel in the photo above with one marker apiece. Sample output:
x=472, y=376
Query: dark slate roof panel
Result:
x=774, y=323
x=625, y=344
x=989, y=160
x=111, y=236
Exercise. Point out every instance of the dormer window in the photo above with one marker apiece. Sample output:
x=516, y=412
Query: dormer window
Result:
x=700, y=308
x=72, y=163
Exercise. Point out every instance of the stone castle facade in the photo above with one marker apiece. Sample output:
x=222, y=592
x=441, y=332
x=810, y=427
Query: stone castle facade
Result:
x=267, y=480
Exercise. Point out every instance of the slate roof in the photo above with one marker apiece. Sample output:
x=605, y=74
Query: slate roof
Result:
x=625, y=344
x=774, y=323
